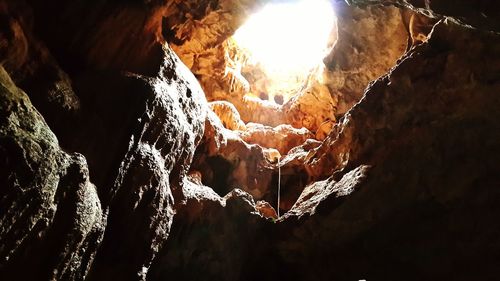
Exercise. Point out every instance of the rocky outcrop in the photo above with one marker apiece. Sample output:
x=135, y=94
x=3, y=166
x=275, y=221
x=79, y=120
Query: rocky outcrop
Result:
x=403, y=187
x=283, y=138
x=138, y=131
x=483, y=14
x=197, y=32
x=195, y=249
x=351, y=141
x=228, y=115
x=33, y=68
x=428, y=131
x=414, y=194
x=159, y=155
x=370, y=41
x=226, y=162
x=51, y=221
x=250, y=160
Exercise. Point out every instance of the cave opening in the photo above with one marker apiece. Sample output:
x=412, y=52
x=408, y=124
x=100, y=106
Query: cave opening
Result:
x=281, y=45
x=277, y=79
x=120, y=161
x=273, y=69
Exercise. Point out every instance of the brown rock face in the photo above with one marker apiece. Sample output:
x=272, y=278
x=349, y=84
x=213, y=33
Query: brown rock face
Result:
x=370, y=41
x=227, y=162
x=282, y=138
x=159, y=155
x=408, y=191
x=385, y=162
x=129, y=127
x=51, y=221
x=484, y=14
x=33, y=67
x=228, y=115
x=413, y=198
x=353, y=146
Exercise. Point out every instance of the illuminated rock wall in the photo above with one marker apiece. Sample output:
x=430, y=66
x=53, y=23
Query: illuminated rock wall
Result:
x=112, y=166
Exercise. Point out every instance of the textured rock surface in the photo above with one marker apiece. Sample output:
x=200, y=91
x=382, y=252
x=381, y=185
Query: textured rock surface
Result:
x=158, y=158
x=202, y=254
x=51, y=220
x=33, y=68
x=482, y=14
x=226, y=161
x=138, y=132
x=195, y=249
x=425, y=203
x=445, y=56
x=282, y=138
x=197, y=33
x=404, y=187
x=228, y=115
x=370, y=41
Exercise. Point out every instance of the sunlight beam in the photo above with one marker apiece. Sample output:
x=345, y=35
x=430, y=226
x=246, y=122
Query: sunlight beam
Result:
x=288, y=38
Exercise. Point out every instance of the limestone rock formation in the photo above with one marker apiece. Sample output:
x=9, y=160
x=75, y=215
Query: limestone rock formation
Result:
x=113, y=165
x=364, y=57
x=51, y=221
x=33, y=68
x=483, y=15
x=159, y=155
x=228, y=115
x=370, y=41
x=282, y=138
x=226, y=161
x=123, y=127
x=411, y=195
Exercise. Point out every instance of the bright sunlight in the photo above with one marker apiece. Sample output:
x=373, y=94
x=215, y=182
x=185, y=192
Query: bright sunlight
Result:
x=288, y=38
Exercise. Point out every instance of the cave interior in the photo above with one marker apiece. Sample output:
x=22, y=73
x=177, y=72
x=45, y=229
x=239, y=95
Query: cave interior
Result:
x=249, y=140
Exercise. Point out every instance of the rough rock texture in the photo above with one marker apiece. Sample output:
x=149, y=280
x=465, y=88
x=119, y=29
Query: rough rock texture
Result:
x=226, y=161
x=404, y=187
x=422, y=190
x=138, y=130
x=34, y=69
x=228, y=115
x=197, y=32
x=159, y=155
x=363, y=56
x=201, y=254
x=51, y=220
x=370, y=41
x=428, y=130
x=312, y=106
x=249, y=159
x=349, y=142
x=282, y=138
x=483, y=14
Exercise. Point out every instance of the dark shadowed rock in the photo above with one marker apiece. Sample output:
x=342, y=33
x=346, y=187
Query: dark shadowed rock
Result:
x=51, y=221
x=33, y=68
x=483, y=14
x=212, y=236
x=159, y=155
x=403, y=187
x=429, y=131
